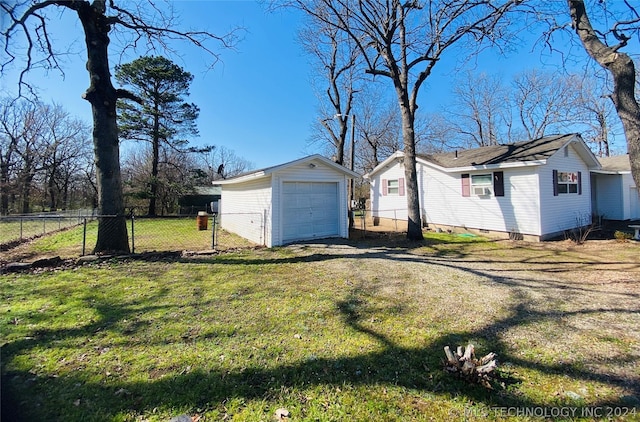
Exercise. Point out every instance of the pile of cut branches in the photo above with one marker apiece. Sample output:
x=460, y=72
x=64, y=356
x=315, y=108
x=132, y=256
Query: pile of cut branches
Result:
x=465, y=364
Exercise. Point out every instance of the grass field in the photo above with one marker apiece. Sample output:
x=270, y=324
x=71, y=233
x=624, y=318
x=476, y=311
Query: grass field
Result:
x=351, y=331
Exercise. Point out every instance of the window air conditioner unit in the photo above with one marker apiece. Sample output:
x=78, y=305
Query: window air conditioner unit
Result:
x=479, y=191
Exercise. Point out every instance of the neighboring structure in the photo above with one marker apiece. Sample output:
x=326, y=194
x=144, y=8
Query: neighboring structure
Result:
x=304, y=199
x=534, y=189
x=201, y=199
x=614, y=193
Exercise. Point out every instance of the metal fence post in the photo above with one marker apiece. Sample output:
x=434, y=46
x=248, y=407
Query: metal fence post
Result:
x=133, y=234
x=213, y=232
x=84, y=235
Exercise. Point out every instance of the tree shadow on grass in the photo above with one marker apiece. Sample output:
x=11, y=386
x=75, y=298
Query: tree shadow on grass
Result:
x=419, y=369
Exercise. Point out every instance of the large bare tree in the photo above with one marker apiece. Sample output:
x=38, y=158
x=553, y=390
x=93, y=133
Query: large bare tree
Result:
x=604, y=45
x=544, y=102
x=336, y=60
x=403, y=41
x=480, y=110
x=151, y=26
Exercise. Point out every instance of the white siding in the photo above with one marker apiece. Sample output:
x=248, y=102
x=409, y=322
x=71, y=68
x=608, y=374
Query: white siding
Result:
x=631, y=203
x=565, y=211
x=516, y=211
x=245, y=209
x=609, y=202
x=305, y=173
x=389, y=206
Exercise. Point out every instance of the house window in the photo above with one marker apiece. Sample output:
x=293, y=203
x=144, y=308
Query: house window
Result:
x=481, y=184
x=567, y=182
x=393, y=187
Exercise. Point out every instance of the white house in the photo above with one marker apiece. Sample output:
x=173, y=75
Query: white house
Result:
x=615, y=194
x=534, y=189
x=304, y=199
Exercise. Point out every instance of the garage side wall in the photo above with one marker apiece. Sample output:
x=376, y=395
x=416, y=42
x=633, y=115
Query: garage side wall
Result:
x=245, y=209
x=305, y=172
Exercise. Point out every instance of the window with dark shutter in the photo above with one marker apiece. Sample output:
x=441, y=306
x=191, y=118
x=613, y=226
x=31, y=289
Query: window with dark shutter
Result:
x=466, y=185
x=498, y=183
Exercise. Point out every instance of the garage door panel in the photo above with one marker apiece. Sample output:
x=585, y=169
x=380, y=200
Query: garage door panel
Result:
x=310, y=210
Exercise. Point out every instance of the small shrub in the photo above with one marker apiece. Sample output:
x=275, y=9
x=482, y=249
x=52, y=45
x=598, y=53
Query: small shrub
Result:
x=621, y=236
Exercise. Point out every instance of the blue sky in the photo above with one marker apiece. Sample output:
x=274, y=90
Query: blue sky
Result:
x=258, y=101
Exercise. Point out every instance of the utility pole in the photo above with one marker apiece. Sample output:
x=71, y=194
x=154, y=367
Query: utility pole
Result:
x=353, y=155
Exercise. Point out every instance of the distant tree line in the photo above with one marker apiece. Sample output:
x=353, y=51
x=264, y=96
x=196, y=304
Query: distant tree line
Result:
x=46, y=160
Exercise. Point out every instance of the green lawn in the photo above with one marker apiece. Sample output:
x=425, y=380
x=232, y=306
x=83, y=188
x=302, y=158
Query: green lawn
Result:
x=356, y=335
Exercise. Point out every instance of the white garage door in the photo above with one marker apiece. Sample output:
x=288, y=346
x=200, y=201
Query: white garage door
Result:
x=309, y=210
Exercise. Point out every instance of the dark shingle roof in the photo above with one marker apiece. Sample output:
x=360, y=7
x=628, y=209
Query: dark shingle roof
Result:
x=538, y=149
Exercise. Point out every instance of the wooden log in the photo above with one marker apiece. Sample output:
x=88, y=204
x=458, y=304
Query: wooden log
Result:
x=468, y=353
x=450, y=358
x=487, y=358
x=468, y=368
x=487, y=368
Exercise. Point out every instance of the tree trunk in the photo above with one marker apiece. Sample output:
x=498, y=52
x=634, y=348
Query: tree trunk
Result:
x=51, y=188
x=154, y=179
x=622, y=70
x=4, y=189
x=112, y=230
x=414, y=225
x=26, y=193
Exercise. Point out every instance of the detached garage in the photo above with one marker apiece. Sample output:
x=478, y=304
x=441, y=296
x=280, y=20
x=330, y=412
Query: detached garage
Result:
x=304, y=199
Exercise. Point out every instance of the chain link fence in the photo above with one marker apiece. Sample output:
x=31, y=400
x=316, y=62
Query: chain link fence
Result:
x=176, y=233
x=75, y=234
x=15, y=229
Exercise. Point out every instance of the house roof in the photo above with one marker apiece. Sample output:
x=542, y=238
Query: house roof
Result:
x=536, y=150
x=311, y=160
x=206, y=190
x=533, y=152
x=615, y=164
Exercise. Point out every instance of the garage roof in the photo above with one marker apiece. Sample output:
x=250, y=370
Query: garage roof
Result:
x=311, y=160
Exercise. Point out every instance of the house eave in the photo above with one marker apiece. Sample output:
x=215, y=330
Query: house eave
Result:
x=611, y=172
x=488, y=167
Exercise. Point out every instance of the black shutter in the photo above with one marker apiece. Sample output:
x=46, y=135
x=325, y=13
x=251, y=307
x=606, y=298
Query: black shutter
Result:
x=555, y=183
x=498, y=183
x=579, y=183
